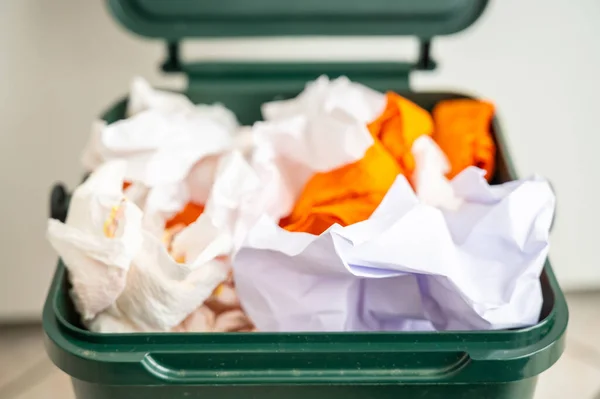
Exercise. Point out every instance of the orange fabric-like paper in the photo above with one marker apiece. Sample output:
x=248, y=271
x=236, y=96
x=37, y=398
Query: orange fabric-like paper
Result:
x=345, y=195
x=462, y=130
x=351, y=193
x=400, y=124
x=187, y=216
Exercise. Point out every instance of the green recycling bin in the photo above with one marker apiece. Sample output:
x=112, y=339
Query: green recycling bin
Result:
x=467, y=365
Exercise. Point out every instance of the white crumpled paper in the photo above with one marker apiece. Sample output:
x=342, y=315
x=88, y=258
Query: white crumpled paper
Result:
x=324, y=96
x=171, y=148
x=161, y=292
x=161, y=147
x=142, y=96
x=124, y=278
x=99, y=239
x=429, y=177
x=323, y=128
x=409, y=266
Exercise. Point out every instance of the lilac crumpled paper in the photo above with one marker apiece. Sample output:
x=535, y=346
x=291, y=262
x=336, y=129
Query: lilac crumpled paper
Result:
x=410, y=266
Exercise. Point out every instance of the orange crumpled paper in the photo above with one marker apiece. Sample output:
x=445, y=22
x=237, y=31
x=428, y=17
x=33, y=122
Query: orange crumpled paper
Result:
x=345, y=195
x=400, y=124
x=351, y=193
x=186, y=216
x=462, y=130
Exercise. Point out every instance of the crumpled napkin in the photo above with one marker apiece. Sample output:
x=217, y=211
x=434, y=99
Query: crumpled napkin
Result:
x=324, y=96
x=156, y=122
x=161, y=147
x=170, y=280
x=126, y=279
x=171, y=147
x=142, y=96
x=163, y=289
x=409, y=265
x=99, y=239
x=222, y=312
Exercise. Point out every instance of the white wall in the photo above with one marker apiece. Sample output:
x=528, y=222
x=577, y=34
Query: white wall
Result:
x=63, y=61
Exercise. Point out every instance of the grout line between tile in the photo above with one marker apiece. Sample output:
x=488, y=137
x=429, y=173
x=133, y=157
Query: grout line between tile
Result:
x=29, y=378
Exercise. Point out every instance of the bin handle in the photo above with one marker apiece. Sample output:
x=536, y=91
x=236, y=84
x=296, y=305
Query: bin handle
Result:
x=59, y=202
x=173, y=64
x=278, y=367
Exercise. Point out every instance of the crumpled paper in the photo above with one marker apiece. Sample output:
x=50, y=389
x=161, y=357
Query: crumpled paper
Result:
x=440, y=255
x=345, y=195
x=329, y=97
x=429, y=175
x=221, y=312
x=161, y=147
x=142, y=96
x=410, y=265
x=163, y=289
x=323, y=128
x=463, y=132
x=169, y=282
x=124, y=278
x=99, y=239
x=171, y=148
x=398, y=126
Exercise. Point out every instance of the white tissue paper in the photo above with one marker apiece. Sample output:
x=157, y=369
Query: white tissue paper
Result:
x=163, y=137
x=235, y=182
x=164, y=295
x=99, y=239
x=91, y=157
x=126, y=279
x=324, y=96
x=143, y=96
x=158, y=203
x=409, y=266
x=323, y=128
x=171, y=148
x=429, y=177
x=161, y=147
x=168, y=283
x=163, y=289
x=202, y=175
x=160, y=291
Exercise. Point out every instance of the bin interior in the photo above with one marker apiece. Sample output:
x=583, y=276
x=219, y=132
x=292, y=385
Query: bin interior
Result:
x=245, y=99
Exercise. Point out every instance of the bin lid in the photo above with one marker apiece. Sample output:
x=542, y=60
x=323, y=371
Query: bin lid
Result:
x=175, y=20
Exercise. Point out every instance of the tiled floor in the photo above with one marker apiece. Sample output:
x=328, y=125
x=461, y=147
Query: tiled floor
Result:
x=26, y=372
